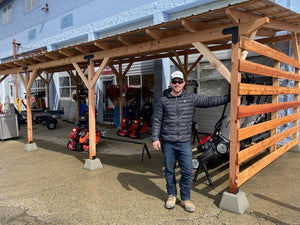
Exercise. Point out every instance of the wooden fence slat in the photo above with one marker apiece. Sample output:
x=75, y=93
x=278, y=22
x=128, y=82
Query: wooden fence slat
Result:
x=256, y=68
x=251, y=151
x=259, y=165
x=254, y=89
x=261, y=49
x=246, y=132
x=251, y=110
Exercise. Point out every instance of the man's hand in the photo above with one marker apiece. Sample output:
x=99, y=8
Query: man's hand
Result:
x=156, y=145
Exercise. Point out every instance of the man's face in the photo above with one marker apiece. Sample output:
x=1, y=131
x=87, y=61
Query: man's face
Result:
x=177, y=85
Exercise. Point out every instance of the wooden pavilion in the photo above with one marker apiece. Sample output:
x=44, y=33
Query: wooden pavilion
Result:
x=251, y=26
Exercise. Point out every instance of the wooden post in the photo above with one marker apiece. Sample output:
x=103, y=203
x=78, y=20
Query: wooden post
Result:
x=77, y=96
x=15, y=75
x=120, y=75
x=28, y=109
x=47, y=90
x=234, y=122
x=92, y=114
x=120, y=80
x=296, y=49
x=274, y=115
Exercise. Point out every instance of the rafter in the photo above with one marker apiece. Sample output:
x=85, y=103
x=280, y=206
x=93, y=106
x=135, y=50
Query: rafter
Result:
x=240, y=17
x=68, y=52
x=194, y=26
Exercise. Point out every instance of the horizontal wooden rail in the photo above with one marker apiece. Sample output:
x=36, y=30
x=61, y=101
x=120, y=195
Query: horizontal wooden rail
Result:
x=251, y=67
x=246, y=174
x=253, y=150
x=254, y=89
x=250, y=110
x=261, y=49
x=246, y=132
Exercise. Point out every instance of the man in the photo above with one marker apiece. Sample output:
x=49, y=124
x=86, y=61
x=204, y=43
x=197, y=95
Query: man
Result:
x=171, y=131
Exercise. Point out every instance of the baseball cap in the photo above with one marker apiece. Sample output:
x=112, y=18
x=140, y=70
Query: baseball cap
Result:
x=177, y=74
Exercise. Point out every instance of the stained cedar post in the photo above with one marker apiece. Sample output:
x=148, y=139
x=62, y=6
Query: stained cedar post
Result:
x=235, y=102
x=120, y=80
x=274, y=115
x=296, y=49
x=28, y=108
x=92, y=114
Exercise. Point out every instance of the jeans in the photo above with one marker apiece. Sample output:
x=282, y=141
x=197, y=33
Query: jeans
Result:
x=181, y=152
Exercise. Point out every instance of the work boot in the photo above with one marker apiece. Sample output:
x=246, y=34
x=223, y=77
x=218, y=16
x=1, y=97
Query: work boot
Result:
x=170, y=203
x=188, y=205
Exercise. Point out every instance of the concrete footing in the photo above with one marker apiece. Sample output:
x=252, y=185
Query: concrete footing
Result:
x=92, y=164
x=296, y=148
x=30, y=147
x=236, y=203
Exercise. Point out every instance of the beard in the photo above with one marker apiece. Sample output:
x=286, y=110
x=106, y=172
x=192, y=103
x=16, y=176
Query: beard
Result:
x=177, y=90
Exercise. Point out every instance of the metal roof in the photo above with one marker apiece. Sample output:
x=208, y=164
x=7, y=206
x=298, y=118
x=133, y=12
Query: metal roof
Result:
x=158, y=41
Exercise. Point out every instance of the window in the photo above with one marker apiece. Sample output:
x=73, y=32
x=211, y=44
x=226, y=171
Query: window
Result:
x=39, y=85
x=66, y=86
x=6, y=14
x=31, y=4
x=66, y=21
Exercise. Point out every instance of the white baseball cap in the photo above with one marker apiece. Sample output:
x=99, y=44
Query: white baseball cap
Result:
x=177, y=74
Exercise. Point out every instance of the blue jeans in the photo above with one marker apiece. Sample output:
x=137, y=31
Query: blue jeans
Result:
x=181, y=152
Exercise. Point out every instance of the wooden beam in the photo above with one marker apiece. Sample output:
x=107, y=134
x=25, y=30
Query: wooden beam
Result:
x=261, y=49
x=54, y=55
x=274, y=115
x=23, y=81
x=194, y=26
x=67, y=52
x=235, y=101
x=256, y=68
x=251, y=110
x=41, y=58
x=35, y=74
x=220, y=67
x=81, y=74
x=296, y=50
x=245, y=52
x=3, y=77
x=82, y=49
x=212, y=34
x=246, y=132
x=99, y=71
x=253, y=150
x=238, y=16
x=259, y=165
x=177, y=63
x=159, y=33
x=105, y=45
x=20, y=63
x=255, y=89
x=195, y=63
x=92, y=113
x=29, y=61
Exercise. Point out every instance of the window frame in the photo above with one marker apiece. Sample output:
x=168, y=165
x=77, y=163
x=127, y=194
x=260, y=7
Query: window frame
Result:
x=33, y=4
x=6, y=17
x=71, y=86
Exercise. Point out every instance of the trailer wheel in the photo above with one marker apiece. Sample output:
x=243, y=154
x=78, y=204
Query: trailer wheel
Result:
x=51, y=124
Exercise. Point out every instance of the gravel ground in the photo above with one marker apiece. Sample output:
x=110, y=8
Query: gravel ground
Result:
x=50, y=186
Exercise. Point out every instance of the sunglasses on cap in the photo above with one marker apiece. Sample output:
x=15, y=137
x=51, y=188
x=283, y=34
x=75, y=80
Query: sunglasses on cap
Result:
x=177, y=81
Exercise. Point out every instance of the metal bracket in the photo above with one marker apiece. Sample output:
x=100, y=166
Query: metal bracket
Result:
x=88, y=58
x=234, y=31
x=25, y=69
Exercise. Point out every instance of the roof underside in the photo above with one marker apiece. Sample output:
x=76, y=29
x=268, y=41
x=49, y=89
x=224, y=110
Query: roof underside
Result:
x=163, y=40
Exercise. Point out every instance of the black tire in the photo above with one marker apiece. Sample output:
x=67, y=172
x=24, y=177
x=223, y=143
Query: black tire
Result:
x=51, y=124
